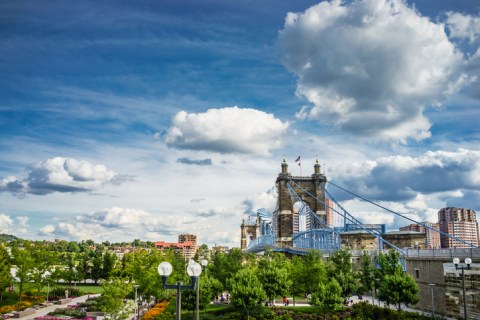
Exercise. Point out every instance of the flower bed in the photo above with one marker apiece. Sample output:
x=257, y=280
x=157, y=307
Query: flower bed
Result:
x=61, y=318
x=157, y=310
x=22, y=305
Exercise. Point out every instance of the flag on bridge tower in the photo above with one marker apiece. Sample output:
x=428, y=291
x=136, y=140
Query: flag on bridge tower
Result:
x=299, y=164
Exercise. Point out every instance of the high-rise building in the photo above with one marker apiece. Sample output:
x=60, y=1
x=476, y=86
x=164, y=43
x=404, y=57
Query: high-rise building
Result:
x=186, y=249
x=460, y=223
x=189, y=238
x=432, y=236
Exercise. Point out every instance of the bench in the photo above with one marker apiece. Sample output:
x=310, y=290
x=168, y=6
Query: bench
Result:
x=21, y=314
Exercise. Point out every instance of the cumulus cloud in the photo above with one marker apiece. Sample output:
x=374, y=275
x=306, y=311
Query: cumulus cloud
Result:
x=463, y=26
x=266, y=199
x=401, y=178
x=227, y=130
x=5, y=223
x=61, y=175
x=17, y=226
x=370, y=68
x=115, y=223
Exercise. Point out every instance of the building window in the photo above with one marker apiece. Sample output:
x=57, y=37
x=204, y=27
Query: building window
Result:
x=417, y=273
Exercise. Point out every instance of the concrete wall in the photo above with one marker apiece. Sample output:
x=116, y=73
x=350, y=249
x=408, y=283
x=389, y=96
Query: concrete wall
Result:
x=448, y=289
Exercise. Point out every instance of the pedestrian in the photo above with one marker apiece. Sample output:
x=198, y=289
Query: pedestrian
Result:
x=288, y=302
x=284, y=300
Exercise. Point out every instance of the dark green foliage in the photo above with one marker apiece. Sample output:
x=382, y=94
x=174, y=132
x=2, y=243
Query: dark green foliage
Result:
x=209, y=288
x=365, y=274
x=225, y=265
x=5, y=276
x=327, y=297
x=341, y=269
x=247, y=292
x=399, y=288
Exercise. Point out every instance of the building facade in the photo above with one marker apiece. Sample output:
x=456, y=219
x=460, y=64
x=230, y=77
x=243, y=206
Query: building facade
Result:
x=404, y=239
x=460, y=223
x=186, y=249
x=432, y=237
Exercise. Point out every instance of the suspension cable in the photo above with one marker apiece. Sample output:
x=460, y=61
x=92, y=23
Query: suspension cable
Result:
x=398, y=214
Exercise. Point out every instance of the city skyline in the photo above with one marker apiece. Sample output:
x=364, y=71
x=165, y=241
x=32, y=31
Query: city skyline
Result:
x=145, y=120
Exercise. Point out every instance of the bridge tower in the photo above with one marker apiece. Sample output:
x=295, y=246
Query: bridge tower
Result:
x=248, y=230
x=284, y=217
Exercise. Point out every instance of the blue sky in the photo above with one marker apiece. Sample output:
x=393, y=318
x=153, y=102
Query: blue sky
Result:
x=146, y=119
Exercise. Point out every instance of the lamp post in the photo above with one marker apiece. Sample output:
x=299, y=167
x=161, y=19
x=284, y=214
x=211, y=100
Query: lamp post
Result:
x=136, y=301
x=431, y=285
x=204, y=263
x=468, y=262
x=46, y=275
x=193, y=270
x=376, y=282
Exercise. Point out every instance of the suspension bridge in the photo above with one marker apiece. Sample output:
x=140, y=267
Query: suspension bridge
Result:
x=307, y=217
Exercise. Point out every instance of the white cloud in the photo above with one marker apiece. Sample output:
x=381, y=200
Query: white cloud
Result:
x=463, y=26
x=370, y=68
x=47, y=230
x=227, y=130
x=17, y=226
x=401, y=178
x=61, y=175
x=5, y=223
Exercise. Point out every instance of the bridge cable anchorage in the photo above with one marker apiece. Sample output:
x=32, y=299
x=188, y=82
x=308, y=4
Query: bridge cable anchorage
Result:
x=410, y=219
x=349, y=217
x=334, y=241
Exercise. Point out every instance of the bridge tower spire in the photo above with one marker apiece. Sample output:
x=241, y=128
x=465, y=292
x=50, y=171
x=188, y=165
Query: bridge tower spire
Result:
x=286, y=224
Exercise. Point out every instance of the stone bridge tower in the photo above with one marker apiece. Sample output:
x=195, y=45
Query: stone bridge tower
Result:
x=248, y=232
x=284, y=217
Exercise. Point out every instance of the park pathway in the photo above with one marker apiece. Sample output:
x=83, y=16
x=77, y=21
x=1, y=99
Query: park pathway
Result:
x=44, y=311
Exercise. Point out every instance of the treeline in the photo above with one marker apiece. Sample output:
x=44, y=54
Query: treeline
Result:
x=251, y=280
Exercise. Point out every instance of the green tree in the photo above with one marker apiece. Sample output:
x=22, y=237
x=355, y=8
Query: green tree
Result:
x=398, y=288
x=83, y=267
x=5, y=266
x=24, y=264
x=365, y=274
x=143, y=267
x=209, y=288
x=114, y=292
x=341, y=269
x=307, y=272
x=70, y=273
x=274, y=276
x=327, y=297
x=108, y=265
x=43, y=260
x=96, y=271
x=225, y=265
x=388, y=263
x=246, y=290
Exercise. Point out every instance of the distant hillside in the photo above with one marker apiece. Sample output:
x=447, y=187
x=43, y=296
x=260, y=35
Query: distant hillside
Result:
x=7, y=237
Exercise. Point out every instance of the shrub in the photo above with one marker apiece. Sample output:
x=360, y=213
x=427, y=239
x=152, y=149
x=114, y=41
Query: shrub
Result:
x=156, y=311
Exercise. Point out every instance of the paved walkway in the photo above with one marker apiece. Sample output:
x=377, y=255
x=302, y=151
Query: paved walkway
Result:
x=46, y=310
x=368, y=299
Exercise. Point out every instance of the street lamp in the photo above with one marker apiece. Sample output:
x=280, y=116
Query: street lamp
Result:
x=193, y=270
x=468, y=262
x=136, y=301
x=204, y=263
x=431, y=285
x=46, y=275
